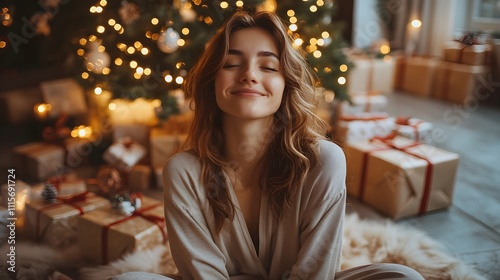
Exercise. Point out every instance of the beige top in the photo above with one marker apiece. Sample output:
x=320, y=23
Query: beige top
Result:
x=304, y=244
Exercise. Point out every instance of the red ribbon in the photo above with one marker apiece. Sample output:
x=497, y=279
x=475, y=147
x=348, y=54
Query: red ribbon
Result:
x=406, y=121
x=387, y=141
x=160, y=222
x=70, y=201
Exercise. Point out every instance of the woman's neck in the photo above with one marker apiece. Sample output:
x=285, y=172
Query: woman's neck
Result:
x=246, y=144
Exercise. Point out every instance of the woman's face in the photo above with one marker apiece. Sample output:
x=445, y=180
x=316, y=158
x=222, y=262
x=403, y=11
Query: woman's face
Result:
x=250, y=84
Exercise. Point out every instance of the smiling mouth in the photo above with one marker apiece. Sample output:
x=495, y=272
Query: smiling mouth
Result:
x=247, y=92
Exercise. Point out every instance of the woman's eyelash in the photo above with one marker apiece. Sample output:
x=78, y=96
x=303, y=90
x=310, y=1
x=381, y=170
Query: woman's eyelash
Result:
x=270, y=69
x=230, y=65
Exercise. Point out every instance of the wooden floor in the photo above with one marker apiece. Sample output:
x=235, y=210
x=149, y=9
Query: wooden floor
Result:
x=470, y=229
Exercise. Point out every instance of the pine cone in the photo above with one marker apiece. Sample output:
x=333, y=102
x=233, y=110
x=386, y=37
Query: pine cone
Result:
x=49, y=193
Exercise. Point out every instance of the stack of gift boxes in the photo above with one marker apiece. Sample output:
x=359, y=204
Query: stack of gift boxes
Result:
x=391, y=165
x=461, y=74
x=80, y=209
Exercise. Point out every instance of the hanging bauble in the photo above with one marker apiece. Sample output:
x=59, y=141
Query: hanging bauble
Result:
x=129, y=12
x=167, y=42
x=96, y=59
x=187, y=13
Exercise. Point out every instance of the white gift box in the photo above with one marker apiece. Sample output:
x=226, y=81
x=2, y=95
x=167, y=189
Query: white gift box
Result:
x=124, y=154
x=364, y=104
x=414, y=128
x=364, y=126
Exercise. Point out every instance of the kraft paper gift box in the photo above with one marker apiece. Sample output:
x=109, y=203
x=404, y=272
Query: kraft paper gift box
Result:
x=65, y=96
x=124, y=154
x=163, y=145
x=106, y=235
x=39, y=160
x=370, y=75
x=57, y=224
x=401, y=182
x=66, y=185
x=139, y=178
x=414, y=129
x=466, y=54
x=159, y=176
x=364, y=126
x=418, y=76
x=458, y=82
x=364, y=104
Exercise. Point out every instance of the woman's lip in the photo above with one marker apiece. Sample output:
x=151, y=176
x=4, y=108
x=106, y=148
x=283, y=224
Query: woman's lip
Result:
x=247, y=92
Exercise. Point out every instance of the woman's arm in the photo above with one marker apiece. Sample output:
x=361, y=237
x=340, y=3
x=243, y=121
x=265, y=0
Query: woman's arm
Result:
x=322, y=220
x=193, y=249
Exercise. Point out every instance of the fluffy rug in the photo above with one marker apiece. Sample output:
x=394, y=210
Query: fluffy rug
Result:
x=364, y=242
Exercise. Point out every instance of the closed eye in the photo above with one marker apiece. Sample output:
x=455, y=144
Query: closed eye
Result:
x=230, y=66
x=270, y=69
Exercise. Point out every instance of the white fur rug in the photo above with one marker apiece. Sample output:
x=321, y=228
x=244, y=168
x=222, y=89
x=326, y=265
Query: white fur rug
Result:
x=364, y=242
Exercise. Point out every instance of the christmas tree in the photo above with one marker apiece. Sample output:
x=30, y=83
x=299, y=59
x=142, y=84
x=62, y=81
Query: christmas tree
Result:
x=143, y=48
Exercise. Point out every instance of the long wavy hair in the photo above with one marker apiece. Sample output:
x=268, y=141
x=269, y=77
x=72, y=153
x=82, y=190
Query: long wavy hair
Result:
x=293, y=147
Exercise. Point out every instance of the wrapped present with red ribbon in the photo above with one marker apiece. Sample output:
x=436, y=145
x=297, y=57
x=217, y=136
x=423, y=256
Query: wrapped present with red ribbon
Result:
x=414, y=129
x=67, y=184
x=55, y=224
x=106, y=235
x=370, y=76
x=363, y=126
x=467, y=50
x=124, y=154
x=399, y=177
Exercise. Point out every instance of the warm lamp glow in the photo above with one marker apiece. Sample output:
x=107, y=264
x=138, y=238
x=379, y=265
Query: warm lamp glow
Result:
x=385, y=49
x=416, y=23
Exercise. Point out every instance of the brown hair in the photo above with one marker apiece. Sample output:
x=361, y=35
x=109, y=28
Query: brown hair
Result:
x=292, y=149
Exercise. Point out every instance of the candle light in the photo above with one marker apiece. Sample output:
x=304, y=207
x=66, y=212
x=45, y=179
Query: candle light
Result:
x=42, y=110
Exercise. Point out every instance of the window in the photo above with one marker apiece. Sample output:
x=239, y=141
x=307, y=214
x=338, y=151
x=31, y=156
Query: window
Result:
x=485, y=15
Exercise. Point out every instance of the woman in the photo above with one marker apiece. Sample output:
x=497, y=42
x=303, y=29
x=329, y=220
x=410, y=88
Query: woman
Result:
x=260, y=194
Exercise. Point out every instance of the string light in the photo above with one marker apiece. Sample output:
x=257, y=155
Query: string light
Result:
x=224, y=4
x=185, y=31
x=385, y=49
x=92, y=38
x=3, y=44
x=138, y=45
x=103, y=3
x=341, y=80
x=298, y=42
x=145, y=51
x=82, y=41
x=117, y=27
x=325, y=34
x=106, y=71
x=148, y=34
x=317, y=54
x=416, y=23
x=208, y=20
x=321, y=42
x=154, y=21
x=239, y=4
x=320, y=3
x=139, y=70
x=147, y=71
x=168, y=78
x=85, y=75
x=327, y=70
x=293, y=20
x=133, y=64
x=293, y=27
x=111, y=22
x=80, y=52
x=179, y=80
x=99, y=10
x=290, y=13
x=130, y=50
x=313, y=8
x=101, y=48
x=98, y=90
x=343, y=68
x=112, y=106
x=181, y=42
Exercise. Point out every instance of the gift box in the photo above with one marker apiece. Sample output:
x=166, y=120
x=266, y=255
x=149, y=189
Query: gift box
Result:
x=77, y=151
x=364, y=104
x=399, y=68
x=414, y=129
x=418, y=76
x=65, y=96
x=106, y=235
x=363, y=126
x=39, y=160
x=16, y=106
x=163, y=145
x=370, y=75
x=124, y=154
x=137, y=132
x=466, y=54
x=401, y=178
x=159, y=176
x=66, y=185
x=139, y=178
x=458, y=82
x=57, y=224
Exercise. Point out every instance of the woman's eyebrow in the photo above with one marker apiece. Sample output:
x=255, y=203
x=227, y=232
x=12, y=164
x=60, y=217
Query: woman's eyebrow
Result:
x=261, y=53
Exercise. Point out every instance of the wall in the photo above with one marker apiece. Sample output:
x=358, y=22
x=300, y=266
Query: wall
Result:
x=367, y=26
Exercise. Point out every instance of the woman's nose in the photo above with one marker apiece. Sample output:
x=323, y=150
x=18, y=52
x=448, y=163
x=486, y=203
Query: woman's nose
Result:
x=249, y=75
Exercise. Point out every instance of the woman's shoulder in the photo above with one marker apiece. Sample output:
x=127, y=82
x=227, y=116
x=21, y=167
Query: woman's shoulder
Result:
x=330, y=153
x=182, y=162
